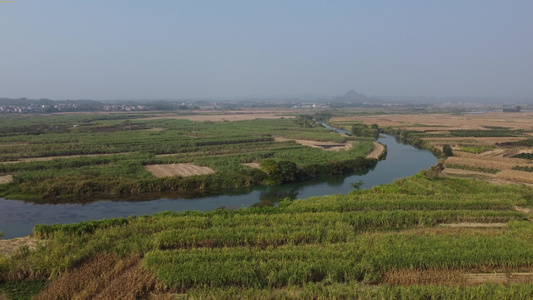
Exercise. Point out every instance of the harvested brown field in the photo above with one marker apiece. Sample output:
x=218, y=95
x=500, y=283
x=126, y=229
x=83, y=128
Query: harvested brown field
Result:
x=446, y=122
x=11, y=245
x=6, y=179
x=515, y=176
x=183, y=170
x=106, y=276
x=378, y=149
x=330, y=146
x=219, y=116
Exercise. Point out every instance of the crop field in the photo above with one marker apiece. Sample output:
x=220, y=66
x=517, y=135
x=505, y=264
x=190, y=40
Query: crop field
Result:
x=386, y=242
x=87, y=156
x=493, y=146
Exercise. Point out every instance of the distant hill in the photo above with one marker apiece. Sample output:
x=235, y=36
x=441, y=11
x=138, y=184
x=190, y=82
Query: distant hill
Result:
x=353, y=96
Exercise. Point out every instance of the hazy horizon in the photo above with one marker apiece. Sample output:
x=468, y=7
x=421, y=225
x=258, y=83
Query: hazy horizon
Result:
x=177, y=50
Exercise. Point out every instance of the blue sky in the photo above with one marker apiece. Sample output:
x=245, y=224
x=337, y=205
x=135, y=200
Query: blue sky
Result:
x=209, y=49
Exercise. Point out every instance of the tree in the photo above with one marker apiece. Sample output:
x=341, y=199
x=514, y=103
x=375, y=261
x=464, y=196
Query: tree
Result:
x=447, y=150
x=269, y=166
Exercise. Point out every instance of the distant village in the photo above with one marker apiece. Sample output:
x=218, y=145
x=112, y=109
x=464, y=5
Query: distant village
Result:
x=10, y=106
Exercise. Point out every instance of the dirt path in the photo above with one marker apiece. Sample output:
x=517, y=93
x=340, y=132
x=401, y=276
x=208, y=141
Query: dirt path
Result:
x=378, y=149
x=473, y=225
x=499, y=278
x=330, y=146
x=182, y=170
x=251, y=165
x=47, y=158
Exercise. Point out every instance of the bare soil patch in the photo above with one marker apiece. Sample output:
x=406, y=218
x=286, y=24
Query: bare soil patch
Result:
x=378, y=149
x=11, y=245
x=183, y=170
x=106, y=276
x=6, y=179
x=251, y=165
x=330, y=146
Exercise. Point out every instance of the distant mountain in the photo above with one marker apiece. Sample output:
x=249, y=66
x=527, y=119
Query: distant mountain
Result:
x=353, y=96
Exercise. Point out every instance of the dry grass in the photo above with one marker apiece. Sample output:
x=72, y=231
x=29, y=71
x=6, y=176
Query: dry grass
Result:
x=6, y=179
x=515, y=176
x=183, y=170
x=9, y=246
x=106, y=276
x=427, y=277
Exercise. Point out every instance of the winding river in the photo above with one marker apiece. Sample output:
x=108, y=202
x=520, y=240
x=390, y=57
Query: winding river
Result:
x=17, y=218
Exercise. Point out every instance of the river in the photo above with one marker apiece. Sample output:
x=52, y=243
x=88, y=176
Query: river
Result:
x=17, y=218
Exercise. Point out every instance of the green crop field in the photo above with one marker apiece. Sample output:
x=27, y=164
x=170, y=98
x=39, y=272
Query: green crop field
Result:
x=87, y=156
x=338, y=246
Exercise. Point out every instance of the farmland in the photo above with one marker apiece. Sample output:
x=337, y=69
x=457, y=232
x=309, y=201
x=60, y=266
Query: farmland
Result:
x=441, y=234
x=87, y=156
x=492, y=146
x=383, y=242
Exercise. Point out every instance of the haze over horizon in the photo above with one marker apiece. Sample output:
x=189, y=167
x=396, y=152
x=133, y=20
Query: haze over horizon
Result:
x=213, y=49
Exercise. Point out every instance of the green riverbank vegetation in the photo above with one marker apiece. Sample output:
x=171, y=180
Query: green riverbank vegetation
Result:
x=417, y=238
